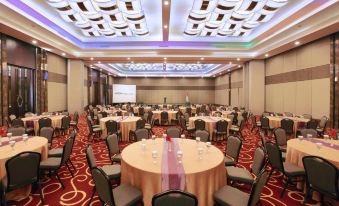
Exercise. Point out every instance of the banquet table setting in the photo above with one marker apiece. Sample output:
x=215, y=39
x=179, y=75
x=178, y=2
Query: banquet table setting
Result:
x=275, y=122
x=171, y=114
x=210, y=122
x=157, y=165
x=126, y=124
x=34, y=121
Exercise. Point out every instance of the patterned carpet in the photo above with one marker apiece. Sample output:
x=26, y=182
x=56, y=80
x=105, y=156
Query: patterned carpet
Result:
x=78, y=189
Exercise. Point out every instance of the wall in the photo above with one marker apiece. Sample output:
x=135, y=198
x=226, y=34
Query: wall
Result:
x=76, y=91
x=237, y=98
x=221, y=90
x=57, y=82
x=153, y=90
x=298, y=80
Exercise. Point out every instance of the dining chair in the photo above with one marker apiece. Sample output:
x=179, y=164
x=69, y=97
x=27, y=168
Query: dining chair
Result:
x=199, y=124
x=16, y=131
x=265, y=124
x=220, y=129
x=173, y=132
x=75, y=120
x=65, y=124
x=140, y=124
x=322, y=125
x=44, y=122
x=140, y=134
x=321, y=176
x=164, y=118
x=306, y=132
x=289, y=170
x=174, y=197
x=112, y=127
x=203, y=134
x=17, y=123
x=280, y=138
x=287, y=125
x=21, y=170
x=233, y=147
x=112, y=144
x=48, y=133
x=93, y=131
x=184, y=126
x=230, y=196
x=124, y=194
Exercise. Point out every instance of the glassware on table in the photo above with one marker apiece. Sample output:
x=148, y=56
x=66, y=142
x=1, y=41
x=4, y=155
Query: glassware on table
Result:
x=164, y=136
x=153, y=139
x=12, y=144
x=25, y=138
x=309, y=136
x=179, y=156
x=208, y=145
x=197, y=139
x=200, y=153
x=300, y=137
x=154, y=156
x=9, y=135
x=319, y=145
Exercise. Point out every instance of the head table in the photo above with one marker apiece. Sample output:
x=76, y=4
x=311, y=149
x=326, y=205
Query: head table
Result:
x=33, y=144
x=201, y=177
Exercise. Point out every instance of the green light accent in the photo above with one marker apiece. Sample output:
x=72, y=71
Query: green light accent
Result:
x=246, y=45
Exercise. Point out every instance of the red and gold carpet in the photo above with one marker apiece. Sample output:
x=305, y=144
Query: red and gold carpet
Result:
x=78, y=189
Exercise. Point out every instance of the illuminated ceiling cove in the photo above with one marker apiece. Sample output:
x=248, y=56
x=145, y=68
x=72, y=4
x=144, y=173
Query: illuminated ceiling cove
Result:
x=167, y=69
x=109, y=18
x=229, y=17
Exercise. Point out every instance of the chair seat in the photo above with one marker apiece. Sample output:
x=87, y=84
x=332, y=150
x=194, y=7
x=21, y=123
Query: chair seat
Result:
x=112, y=171
x=73, y=123
x=293, y=170
x=217, y=132
x=230, y=196
x=55, y=152
x=97, y=129
x=95, y=126
x=50, y=163
x=235, y=128
x=126, y=195
x=29, y=129
x=320, y=129
x=283, y=148
x=229, y=161
x=240, y=175
x=148, y=126
x=190, y=129
x=283, y=155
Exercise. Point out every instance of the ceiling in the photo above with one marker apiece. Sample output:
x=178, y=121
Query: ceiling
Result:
x=168, y=37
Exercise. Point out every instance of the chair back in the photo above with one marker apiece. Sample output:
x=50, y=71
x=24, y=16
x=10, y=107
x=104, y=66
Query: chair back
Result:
x=111, y=126
x=265, y=122
x=245, y=115
x=288, y=114
x=306, y=132
x=233, y=147
x=76, y=117
x=16, y=131
x=263, y=140
x=142, y=133
x=274, y=156
x=257, y=188
x=17, y=123
x=67, y=151
x=280, y=136
x=164, y=116
x=112, y=144
x=182, y=122
x=221, y=125
x=258, y=161
x=199, y=124
x=65, y=122
x=312, y=124
x=203, y=134
x=119, y=113
x=174, y=197
x=103, y=186
x=141, y=111
x=189, y=111
x=45, y=122
x=322, y=175
x=48, y=133
x=22, y=170
x=90, y=157
x=173, y=132
x=140, y=123
x=235, y=117
x=322, y=122
x=287, y=125
x=89, y=124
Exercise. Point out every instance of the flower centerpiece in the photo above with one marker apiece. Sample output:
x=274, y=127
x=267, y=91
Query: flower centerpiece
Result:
x=169, y=143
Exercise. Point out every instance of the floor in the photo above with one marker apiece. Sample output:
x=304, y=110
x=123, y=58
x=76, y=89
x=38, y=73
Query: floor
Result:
x=78, y=189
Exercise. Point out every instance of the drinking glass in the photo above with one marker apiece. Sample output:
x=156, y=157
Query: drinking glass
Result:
x=208, y=145
x=197, y=139
x=200, y=152
x=300, y=137
x=154, y=156
x=12, y=144
x=153, y=139
x=9, y=135
x=179, y=156
x=319, y=145
x=25, y=138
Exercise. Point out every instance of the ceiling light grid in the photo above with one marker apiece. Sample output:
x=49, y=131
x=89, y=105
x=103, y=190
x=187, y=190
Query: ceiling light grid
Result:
x=230, y=18
x=109, y=18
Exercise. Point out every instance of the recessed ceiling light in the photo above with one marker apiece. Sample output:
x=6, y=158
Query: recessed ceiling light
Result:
x=99, y=62
x=228, y=70
x=34, y=42
x=230, y=62
x=63, y=54
x=238, y=59
x=128, y=58
x=165, y=58
x=198, y=62
x=132, y=62
x=92, y=58
x=165, y=26
x=266, y=55
x=166, y=3
x=202, y=58
x=297, y=42
x=239, y=66
x=101, y=70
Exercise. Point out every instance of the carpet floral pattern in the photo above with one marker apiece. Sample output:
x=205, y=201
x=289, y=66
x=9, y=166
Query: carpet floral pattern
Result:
x=78, y=189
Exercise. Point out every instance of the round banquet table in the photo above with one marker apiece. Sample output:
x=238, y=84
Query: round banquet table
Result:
x=297, y=149
x=126, y=124
x=203, y=176
x=136, y=109
x=210, y=123
x=171, y=114
x=275, y=122
x=34, y=144
x=183, y=110
x=56, y=121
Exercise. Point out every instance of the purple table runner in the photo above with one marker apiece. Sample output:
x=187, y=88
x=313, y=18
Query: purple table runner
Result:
x=18, y=139
x=324, y=143
x=172, y=173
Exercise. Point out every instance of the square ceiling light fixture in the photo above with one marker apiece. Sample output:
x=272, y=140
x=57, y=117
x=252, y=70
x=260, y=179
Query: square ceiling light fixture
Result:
x=233, y=18
x=109, y=18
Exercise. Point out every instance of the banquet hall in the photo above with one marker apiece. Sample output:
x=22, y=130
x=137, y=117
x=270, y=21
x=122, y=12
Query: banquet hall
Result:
x=169, y=102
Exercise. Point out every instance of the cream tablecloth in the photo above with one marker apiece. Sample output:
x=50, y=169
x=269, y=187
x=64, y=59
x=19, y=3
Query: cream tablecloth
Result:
x=183, y=110
x=275, y=122
x=126, y=124
x=203, y=177
x=136, y=109
x=34, y=144
x=171, y=115
x=56, y=121
x=210, y=123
